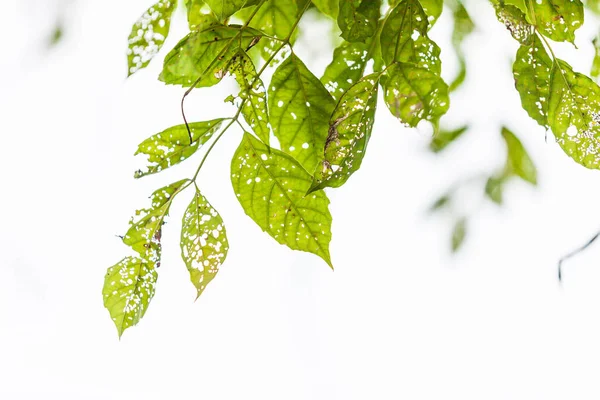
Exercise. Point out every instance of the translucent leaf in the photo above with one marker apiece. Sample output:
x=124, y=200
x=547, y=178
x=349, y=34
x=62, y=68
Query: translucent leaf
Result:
x=274, y=18
x=518, y=161
x=204, y=242
x=404, y=38
x=300, y=107
x=271, y=187
x=148, y=34
x=433, y=9
x=144, y=233
x=350, y=129
x=347, y=67
x=358, y=19
x=531, y=71
x=206, y=53
x=199, y=15
x=172, y=146
x=328, y=7
x=445, y=137
x=574, y=114
x=458, y=234
x=516, y=22
x=253, y=91
x=223, y=9
x=128, y=288
x=558, y=19
x=414, y=94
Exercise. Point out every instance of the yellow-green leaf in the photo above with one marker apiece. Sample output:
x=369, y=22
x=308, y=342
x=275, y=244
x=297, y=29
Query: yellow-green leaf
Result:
x=204, y=242
x=271, y=187
x=172, y=146
x=300, y=107
x=128, y=288
x=350, y=129
x=148, y=34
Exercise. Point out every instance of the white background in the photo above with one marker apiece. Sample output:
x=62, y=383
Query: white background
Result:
x=398, y=319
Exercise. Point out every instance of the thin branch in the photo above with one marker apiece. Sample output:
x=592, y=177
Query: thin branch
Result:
x=574, y=253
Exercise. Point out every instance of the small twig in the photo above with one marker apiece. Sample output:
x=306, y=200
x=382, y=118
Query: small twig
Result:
x=574, y=253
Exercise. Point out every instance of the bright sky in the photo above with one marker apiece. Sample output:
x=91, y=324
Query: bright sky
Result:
x=398, y=319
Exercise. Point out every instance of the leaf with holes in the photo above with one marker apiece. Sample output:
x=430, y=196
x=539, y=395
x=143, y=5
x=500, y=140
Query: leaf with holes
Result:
x=253, y=93
x=558, y=19
x=300, y=107
x=144, y=233
x=515, y=22
x=531, y=71
x=148, y=34
x=271, y=187
x=404, y=38
x=172, y=146
x=347, y=67
x=433, y=9
x=350, y=129
x=414, y=94
x=205, y=55
x=204, y=242
x=274, y=18
x=128, y=288
x=357, y=19
x=574, y=114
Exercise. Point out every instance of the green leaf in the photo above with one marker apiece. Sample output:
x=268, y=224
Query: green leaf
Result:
x=346, y=68
x=172, y=146
x=558, y=19
x=515, y=21
x=414, y=94
x=128, y=288
x=463, y=26
x=358, y=19
x=275, y=18
x=518, y=161
x=350, y=129
x=199, y=16
x=440, y=203
x=144, y=233
x=531, y=71
x=595, y=73
x=328, y=7
x=574, y=114
x=300, y=107
x=204, y=242
x=494, y=188
x=252, y=90
x=271, y=187
x=148, y=34
x=404, y=38
x=223, y=9
x=433, y=9
x=445, y=137
x=458, y=234
x=206, y=54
